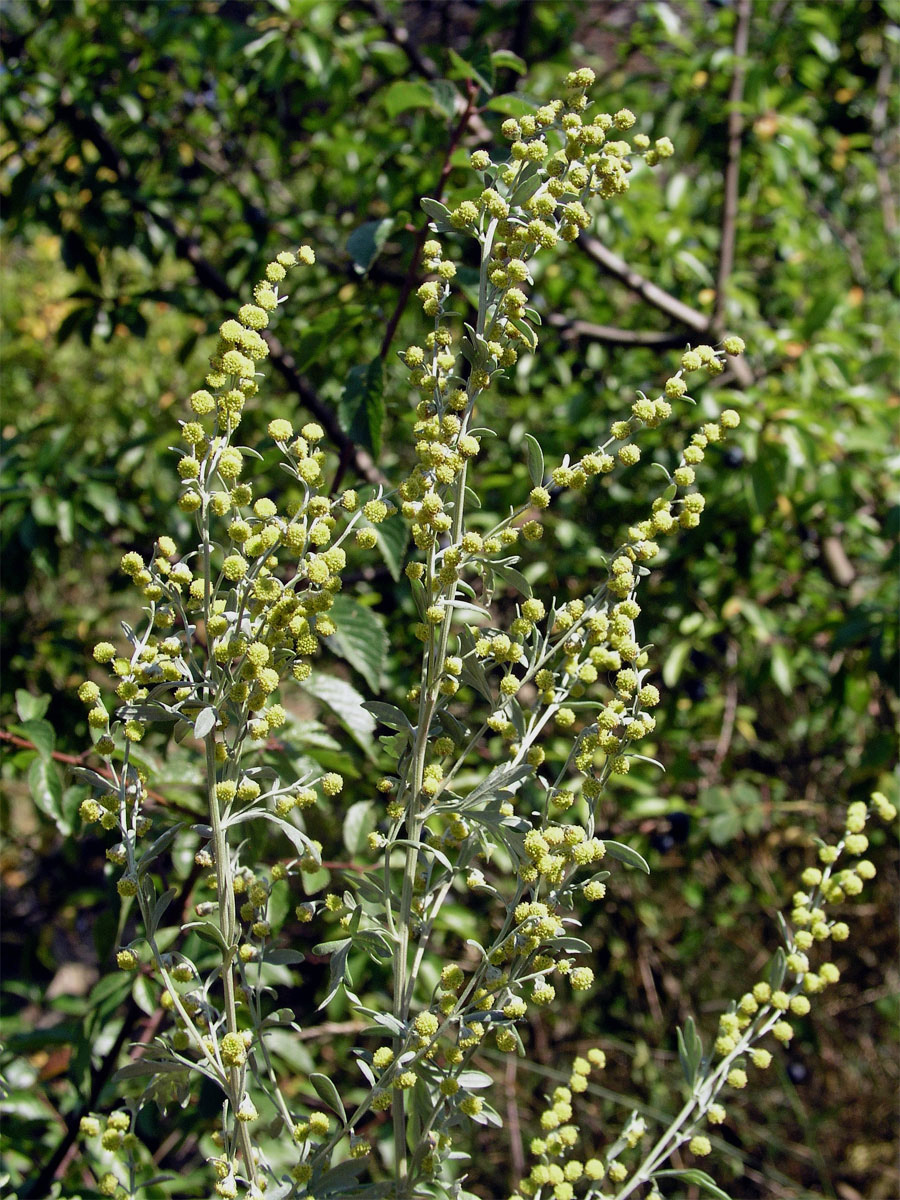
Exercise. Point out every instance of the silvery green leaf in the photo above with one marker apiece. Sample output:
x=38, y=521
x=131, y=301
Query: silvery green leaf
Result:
x=162, y=843
x=328, y=1093
x=697, y=1177
x=777, y=969
x=209, y=932
x=514, y=579
x=205, y=722
x=159, y=908
x=625, y=854
x=535, y=459
x=474, y=1080
x=284, y=958
x=347, y=705
x=387, y=714
x=436, y=210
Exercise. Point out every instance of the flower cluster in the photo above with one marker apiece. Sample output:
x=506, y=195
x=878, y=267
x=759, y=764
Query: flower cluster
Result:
x=554, y=693
x=768, y=1008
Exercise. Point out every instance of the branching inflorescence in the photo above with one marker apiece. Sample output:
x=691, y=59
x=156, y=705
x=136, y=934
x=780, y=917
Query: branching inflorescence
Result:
x=234, y=618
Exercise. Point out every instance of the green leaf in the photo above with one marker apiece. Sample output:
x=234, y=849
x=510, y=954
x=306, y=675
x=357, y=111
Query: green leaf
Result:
x=159, y=910
x=47, y=792
x=365, y=242
x=777, y=969
x=358, y=824
x=695, y=1176
x=510, y=105
x=347, y=705
x=477, y=66
x=209, y=932
x=782, y=669
x=320, y=335
x=393, y=538
x=437, y=211
x=388, y=714
x=205, y=722
x=445, y=95
x=674, y=663
x=29, y=707
x=144, y=995
x=512, y=578
x=361, y=639
x=328, y=1094
x=535, y=459
x=41, y=734
x=507, y=60
x=361, y=406
x=690, y=1050
x=406, y=94
x=339, y=971
x=625, y=854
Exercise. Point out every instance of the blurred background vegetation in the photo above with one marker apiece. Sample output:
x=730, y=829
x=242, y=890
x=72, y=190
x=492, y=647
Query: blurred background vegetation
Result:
x=154, y=156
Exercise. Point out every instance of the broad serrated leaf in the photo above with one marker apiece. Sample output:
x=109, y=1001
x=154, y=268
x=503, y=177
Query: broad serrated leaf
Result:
x=365, y=242
x=405, y=94
x=347, y=705
x=358, y=824
x=29, y=707
x=40, y=733
x=625, y=854
x=477, y=66
x=47, y=792
x=393, y=538
x=361, y=406
x=507, y=60
x=361, y=639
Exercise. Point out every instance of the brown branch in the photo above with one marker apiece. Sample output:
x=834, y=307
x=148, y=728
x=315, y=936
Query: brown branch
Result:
x=732, y=164
x=425, y=66
x=187, y=248
x=76, y=760
x=422, y=235
x=56, y=1164
x=570, y=330
x=723, y=743
x=656, y=296
x=886, y=193
x=613, y=264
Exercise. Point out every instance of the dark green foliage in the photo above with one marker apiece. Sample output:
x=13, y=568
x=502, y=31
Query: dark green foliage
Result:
x=155, y=155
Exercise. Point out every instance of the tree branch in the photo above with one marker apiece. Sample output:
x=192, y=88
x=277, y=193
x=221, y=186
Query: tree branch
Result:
x=187, y=248
x=732, y=164
x=570, y=330
x=658, y=297
x=422, y=235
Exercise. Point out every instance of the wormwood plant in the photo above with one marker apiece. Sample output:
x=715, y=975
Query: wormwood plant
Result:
x=473, y=796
